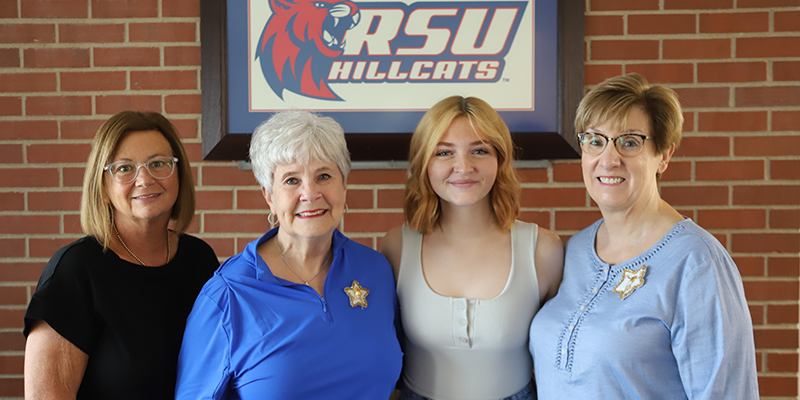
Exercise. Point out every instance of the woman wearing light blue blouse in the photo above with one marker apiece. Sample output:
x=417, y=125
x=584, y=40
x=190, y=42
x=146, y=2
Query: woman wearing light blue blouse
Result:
x=303, y=312
x=651, y=306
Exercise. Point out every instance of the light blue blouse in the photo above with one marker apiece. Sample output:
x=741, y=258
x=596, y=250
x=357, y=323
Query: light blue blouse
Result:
x=685, y=333
x=252, y=335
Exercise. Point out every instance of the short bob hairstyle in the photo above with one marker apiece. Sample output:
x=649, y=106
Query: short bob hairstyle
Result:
x=421, y=204
x=613, y=100
x=297, y=137
x=97, y=212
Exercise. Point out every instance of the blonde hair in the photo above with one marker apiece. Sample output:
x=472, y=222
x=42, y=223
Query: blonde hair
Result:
x=97, y=212
x=613, y=100
x=421, y=204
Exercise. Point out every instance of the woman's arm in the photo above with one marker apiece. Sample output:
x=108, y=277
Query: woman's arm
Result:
x=392, y=248
x=54, y=367
x=549, y=259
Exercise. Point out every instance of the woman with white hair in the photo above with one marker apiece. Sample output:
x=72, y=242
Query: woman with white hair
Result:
x=303, y=312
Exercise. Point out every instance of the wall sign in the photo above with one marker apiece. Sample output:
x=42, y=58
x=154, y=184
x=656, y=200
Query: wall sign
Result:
x=377, y=66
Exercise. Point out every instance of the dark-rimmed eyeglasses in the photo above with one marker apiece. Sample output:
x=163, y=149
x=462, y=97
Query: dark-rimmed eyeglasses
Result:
x=629, y=144
x=124, y=172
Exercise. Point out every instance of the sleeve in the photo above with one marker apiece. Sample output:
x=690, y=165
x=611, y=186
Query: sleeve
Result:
x=64, y=299
x=712, y=333
x=204, y=361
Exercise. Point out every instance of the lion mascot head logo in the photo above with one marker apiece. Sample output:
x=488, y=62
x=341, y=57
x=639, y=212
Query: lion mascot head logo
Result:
x=299, y=43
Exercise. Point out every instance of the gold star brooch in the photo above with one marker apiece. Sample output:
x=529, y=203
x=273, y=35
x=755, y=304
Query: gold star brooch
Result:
x=631, y=280
x=357, y=294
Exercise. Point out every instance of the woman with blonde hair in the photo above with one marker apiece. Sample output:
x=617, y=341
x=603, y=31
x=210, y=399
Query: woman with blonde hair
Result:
x=108, y=314
x=470, y=277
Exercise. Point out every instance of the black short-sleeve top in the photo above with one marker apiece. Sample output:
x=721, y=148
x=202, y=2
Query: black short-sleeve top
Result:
x=127, y=317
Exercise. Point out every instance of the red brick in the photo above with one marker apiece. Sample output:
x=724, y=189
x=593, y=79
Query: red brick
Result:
x=56, y=58
x=786, y=70
x=27, y=33
x=11, y=364
x=777, y=386
x=601, y=25
x=238, y=223
x=366, y=241
x=21, y=272
x=387, y=198
x=124, y=8
x=532, y=175
x=11, y=387
x=784, y=219
x=738, y=121
x=750, y=266
x=681, y=49
x=785, y=169
x=116, y=103
x=697, y=5
x=183, y=103
x=734, y=22
x=242, y=241
x=12, y=202
x=784, y=267
x=8, y=9
x=594, y=74
x=28, y=177
x=181, y=8
x=11, y=153
x=767, y=3
x=194, y=151
x=47, y=247
x=782, y=314
x=227, y=176
x=695, y=195
x=730, y=170
x=766, y=243
x=553, y=197
x=575, y=220
x=73, y=177
x=127, y=57
x=72, y=223
x=766, y=145
x=12, y=341
x=11, y=247
x=10, y=106
x=28, y=82
x=22, y=224
x=661, y=24
x=55, y=9
x=153, y=80
x=624, y=49
x=376, y=176
x=703, y=96
x=93, y=81
x=664, y=73
x=58, y=153
x=362, y=199
x=59, y=105
x=223, y=247
x=162, y=32
x=189, y=56
x=623, y=5
x=782, y=362
x=703, y=146
x=250, y=200
x=80, y=129
x=13, y=295
x=11, y=318
x=770, y=96
x=768, y=47
x=732, y=72
x=9, y=58
x=757, y=315
x=677, y=171
x=214, y=200
x=187, y=128
x=770, y=290
x=54, y=201
x=732, y=219
x=787, y=21
x=372, y=222
x=91, y=33
x=766, y=195
x=567, y=172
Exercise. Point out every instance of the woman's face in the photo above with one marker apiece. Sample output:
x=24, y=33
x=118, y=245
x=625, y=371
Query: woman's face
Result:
x=463, y=167
x=146, y=199
x=307, y=199
x=618, y=183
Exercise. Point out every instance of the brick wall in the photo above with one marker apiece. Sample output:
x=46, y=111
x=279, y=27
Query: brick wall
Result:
x=67, y=65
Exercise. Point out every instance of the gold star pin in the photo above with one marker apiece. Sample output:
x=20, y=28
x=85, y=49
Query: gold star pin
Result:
x=631, y=280
x=357, y=294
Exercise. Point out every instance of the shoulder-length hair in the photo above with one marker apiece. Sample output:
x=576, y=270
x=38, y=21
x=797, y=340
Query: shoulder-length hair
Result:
x=421, y=204
x=97, y=212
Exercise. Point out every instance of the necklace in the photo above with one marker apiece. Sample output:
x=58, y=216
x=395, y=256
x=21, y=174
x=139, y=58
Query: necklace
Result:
x=324, y=263
x=134, y=255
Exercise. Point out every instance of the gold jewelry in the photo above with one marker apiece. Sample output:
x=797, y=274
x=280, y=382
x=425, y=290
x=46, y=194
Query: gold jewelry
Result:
x=324, y=263
x=134, y=255
x=631, y=280
x=357, y=295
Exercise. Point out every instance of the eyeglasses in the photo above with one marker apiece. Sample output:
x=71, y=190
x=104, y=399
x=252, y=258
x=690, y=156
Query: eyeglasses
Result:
x=629, y=144
x=126, y=171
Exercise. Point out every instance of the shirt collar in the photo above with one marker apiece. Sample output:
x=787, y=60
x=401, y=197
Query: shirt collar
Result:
x=261, y=269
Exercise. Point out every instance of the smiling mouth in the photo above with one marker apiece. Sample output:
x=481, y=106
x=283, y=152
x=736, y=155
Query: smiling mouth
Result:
x=610, y=180
x=311, y=213
x=147, y=196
